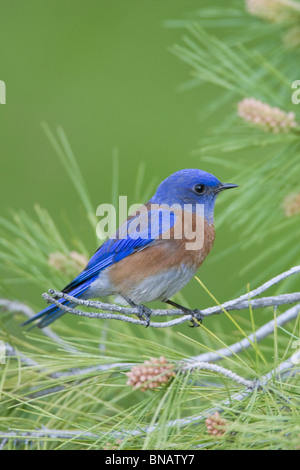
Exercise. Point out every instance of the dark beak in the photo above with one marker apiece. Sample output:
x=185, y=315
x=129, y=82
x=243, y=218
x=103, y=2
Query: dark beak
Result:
x=224, y=186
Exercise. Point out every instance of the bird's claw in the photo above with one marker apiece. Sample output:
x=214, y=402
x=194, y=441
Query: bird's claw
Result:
x=197, y=315
x=197, y=318
x=144, y=314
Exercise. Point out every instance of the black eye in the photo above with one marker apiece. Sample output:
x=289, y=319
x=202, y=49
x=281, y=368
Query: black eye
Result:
x=199, y=188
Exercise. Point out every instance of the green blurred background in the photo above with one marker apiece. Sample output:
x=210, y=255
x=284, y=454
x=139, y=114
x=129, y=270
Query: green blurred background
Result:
x=103, y=71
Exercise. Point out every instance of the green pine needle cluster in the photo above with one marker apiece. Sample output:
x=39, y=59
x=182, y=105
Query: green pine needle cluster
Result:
x=252, y=61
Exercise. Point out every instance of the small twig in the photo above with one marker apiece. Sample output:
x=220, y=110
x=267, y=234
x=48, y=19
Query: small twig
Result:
x=98, y=368
x=11, y=351
x=275, y=280
x=48, y=433
x=15, y=306
x=198, y=365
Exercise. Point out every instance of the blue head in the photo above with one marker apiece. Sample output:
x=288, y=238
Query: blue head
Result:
x=191, y=187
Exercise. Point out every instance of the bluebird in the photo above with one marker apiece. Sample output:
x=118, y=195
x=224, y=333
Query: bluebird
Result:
x=152, y=257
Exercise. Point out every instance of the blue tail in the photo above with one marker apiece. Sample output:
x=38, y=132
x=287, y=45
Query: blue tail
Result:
x=52, y=313
x=47, y=316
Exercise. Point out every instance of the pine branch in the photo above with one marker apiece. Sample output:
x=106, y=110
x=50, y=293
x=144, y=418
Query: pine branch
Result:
x=200, y=365
x=285, y=368
x=214, y=356
x=241, y=303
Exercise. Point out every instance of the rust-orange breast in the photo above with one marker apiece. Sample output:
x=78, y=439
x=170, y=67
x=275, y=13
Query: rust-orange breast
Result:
x=169, y=251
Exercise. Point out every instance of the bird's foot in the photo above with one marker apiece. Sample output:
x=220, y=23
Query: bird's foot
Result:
x=144, y=314
x=197, y=315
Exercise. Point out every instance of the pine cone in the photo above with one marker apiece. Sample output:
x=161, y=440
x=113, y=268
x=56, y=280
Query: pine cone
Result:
x=151, y=374
x=216, y=426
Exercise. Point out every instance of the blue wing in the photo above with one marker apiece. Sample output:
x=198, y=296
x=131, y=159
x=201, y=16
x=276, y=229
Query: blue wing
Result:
x=136, y=234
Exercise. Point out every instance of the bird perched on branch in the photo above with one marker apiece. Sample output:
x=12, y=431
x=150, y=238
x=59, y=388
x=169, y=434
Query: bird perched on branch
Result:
x=155, y=252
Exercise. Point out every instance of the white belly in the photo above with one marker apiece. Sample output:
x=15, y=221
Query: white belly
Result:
x=160, y=286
